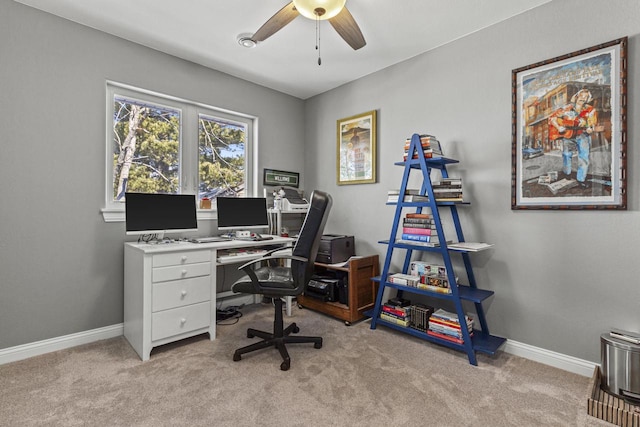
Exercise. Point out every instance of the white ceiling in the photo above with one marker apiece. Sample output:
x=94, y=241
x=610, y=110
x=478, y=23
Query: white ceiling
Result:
x=206, y=31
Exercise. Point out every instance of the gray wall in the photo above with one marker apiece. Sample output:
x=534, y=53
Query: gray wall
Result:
x=61, y=267
x=560, y=278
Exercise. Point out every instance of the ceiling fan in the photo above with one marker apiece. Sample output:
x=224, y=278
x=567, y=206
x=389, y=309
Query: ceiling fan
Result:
x=334, y=11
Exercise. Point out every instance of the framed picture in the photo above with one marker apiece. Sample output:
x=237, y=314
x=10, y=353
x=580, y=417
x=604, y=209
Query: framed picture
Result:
x=276, y=177
x=356, y=149
x=569, y=131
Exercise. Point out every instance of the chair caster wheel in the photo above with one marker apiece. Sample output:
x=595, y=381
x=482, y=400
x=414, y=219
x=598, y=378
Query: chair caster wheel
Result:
x=250, y=335
x=236, y=357
x=284, y=366
x=318, y=345
x=295, y=330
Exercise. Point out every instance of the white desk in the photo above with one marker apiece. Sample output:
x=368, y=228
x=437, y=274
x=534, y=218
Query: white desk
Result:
x=170, y=289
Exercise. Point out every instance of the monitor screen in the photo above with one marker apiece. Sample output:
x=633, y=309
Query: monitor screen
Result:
x=242, y=212
x=159, y=213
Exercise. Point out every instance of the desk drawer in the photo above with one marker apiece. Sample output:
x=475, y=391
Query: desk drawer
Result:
x=176, y=272
x=180, y=320
x=181, y=258
x=179, y=293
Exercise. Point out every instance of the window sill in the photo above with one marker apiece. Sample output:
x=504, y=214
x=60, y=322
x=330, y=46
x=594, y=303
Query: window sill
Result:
x=118, y=215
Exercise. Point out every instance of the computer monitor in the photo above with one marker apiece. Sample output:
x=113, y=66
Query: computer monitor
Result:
x=239, y=213
x=160, y=213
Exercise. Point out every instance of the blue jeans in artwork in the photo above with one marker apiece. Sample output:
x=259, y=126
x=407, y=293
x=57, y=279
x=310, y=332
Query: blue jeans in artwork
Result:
x=582, y=144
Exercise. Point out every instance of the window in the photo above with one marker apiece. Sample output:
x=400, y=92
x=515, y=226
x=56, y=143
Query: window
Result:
x=162, y=144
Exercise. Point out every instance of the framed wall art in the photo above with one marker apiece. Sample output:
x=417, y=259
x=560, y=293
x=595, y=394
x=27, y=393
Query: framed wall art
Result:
x=356, y=149
x=569, y=131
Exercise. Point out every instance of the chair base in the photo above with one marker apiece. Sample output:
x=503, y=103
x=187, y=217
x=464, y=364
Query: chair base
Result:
x=277, y=339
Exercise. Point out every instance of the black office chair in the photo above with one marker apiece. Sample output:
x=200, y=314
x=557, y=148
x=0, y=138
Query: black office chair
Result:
x=277, y=282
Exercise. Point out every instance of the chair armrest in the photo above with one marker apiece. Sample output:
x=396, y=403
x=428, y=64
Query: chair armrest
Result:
x=270, y=257
x=252, y=275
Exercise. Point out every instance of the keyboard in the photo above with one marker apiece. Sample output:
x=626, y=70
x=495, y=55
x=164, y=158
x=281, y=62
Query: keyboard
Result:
x=211, y=239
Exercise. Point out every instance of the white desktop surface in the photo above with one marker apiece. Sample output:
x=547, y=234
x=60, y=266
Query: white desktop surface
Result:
x=170, y=289
x=227, y=244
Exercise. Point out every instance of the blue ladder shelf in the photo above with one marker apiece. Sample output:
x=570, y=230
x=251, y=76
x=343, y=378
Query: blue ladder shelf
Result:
x=481, y=340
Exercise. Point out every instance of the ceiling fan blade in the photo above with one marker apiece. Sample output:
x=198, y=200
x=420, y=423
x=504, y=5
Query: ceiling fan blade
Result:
x=348, y=29
x=276, y=22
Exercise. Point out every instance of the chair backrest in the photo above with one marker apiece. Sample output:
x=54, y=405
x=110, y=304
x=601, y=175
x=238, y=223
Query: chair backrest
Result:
x=310, y=236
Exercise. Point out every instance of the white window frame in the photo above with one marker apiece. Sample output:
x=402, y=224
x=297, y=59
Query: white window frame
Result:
x=114, y=211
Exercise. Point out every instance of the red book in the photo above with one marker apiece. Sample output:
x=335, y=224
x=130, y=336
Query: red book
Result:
x=445, y=337
x=422, y=231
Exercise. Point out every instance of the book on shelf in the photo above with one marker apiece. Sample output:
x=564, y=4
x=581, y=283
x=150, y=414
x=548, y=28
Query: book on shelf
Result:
x=447, y=190
x=415, y=237
x=403, y=279
x=421, y=221
x=397, y=311
x=418, y=243
x=432, y=288
x=427, y=154
x=447, y=182
x=396, y=191
x=452, y=317
x=438, y=321
x=423, y=268
x=389, y=318
x=435, y=280
x=445, y=337
x=404, y=316
x=469, y=246
x=427, y=225
x=393, y=198
x=450, y=199
x=448, y=195
x=419, y=230
x=418, y=215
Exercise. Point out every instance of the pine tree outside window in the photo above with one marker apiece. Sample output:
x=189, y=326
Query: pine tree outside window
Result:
x=162, y=144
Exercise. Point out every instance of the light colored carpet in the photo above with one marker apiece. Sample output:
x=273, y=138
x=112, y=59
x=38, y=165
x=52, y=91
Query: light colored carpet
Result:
x=360, y=377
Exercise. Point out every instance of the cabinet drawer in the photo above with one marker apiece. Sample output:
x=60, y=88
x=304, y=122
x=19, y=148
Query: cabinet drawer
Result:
x=176, y=272
x=181, y=258
x=180, y=320
x=179, y=293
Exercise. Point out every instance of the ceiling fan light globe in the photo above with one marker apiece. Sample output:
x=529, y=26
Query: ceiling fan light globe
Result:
x=307, y=8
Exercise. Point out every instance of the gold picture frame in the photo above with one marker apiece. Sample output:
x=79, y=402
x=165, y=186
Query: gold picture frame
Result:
x=356, y=149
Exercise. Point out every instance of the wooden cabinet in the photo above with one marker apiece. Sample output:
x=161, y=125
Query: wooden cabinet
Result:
x=361, y=290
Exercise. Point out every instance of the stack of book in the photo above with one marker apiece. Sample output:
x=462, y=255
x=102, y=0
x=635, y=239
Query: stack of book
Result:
x=419, y=317
x=410, y=195
x=445, y=325
x=418, y=227
x=448, y=190
x=430, y=147
x=433, y=277
x=395, y=314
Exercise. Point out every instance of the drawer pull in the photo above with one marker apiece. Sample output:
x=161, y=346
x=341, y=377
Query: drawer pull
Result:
x=184, y=272
x=184, y=258
x=183, y=321
x=183, y=294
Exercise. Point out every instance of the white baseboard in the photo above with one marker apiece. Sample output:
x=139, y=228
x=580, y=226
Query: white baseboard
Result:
x=550, y=358
x=540, y=355
x=25, y=351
